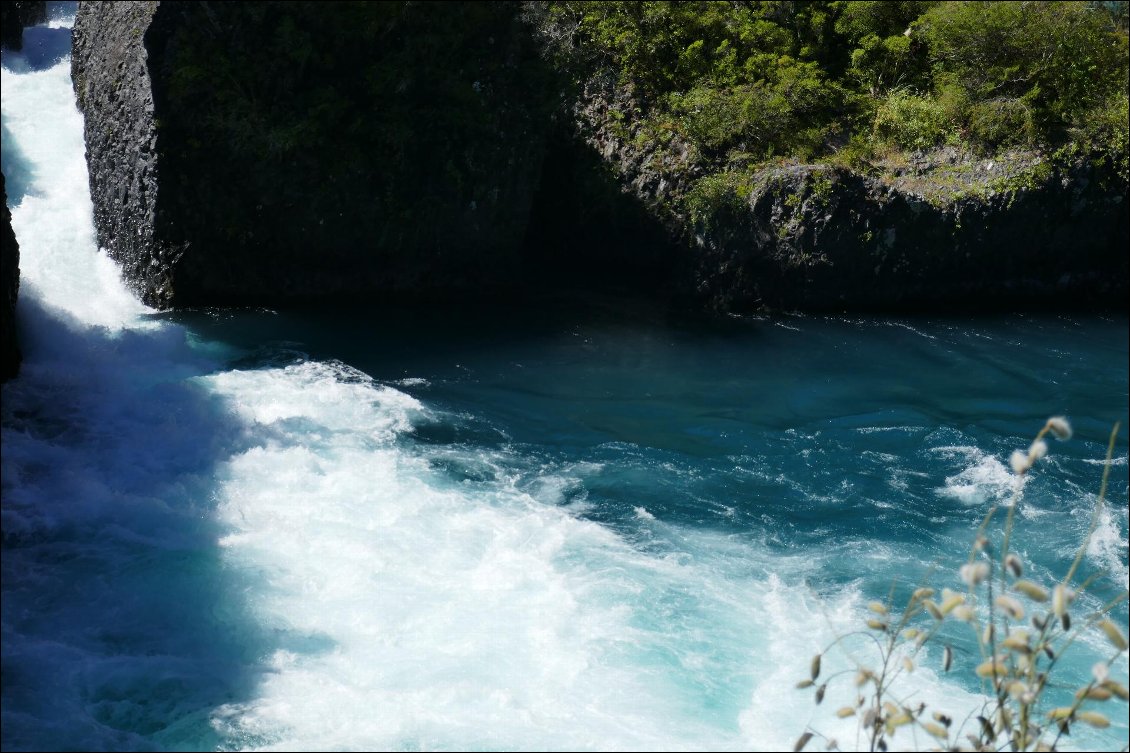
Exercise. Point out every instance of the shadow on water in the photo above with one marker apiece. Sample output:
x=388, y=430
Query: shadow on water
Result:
x=18, y=178
x=124, y=628
x=43, y=48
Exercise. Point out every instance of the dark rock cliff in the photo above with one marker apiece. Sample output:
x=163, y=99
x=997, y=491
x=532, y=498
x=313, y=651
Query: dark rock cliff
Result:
x=817, y=237
x=9, y=289
x=245, y=152
x=15, y=15
x=941, y=230
x=262, y=152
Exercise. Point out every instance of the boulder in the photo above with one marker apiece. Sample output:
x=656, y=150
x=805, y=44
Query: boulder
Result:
x=280, y=151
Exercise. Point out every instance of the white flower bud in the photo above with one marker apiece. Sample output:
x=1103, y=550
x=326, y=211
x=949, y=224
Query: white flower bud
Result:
x=972, y=573
x=1020, y=462
x=1059, y=427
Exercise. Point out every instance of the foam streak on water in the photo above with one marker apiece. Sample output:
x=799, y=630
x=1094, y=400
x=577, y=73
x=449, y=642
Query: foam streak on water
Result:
x=606, y=538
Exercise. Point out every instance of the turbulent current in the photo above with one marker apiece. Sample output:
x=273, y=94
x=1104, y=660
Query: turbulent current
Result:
x=585, y=525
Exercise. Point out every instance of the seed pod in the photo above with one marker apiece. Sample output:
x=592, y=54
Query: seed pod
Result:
x=815, y=666
x=804, y=684
x=1061, y=597
x=801, y=742
x=940, y=717
x=964, y=613
x=1061, y=713
x=820, y=693
x=877, y=625
x=1059, y=427
x=1012, y=562
x=1037, y=450
x=907, y=664
x=1033, y=591
x=877, y=607
x=991, y=668
x=936, y=730
x=951, y=600
x=921, y=593
x=1017, y=689
x=1048, y=651
x=1097, y=693
x=1018, y=639
x=973, y=573
x=845, y=712
x=1117, y=688
x=1113, y=634
x=897, y=720
x=1019, y=462
x=1011, y=607
x=1095, y=719
x=910, y=633
x=947, y=659
x=932, y=608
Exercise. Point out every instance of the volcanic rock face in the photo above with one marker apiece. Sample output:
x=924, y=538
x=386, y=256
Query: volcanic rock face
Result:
x=9, y=288
x=944, y=229
x=281, y=151
x=15, y=15
x=816, y=237
x=265, y=152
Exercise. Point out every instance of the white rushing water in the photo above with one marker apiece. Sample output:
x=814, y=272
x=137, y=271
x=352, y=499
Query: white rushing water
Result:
x=200, y=556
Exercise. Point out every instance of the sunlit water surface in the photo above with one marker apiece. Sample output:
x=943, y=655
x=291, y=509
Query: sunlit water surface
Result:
x=564, y=525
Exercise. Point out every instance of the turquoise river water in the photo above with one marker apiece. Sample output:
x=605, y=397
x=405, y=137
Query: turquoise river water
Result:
x=576, y=525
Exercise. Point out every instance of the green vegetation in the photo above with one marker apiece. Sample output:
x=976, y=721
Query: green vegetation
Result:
x=746, y=83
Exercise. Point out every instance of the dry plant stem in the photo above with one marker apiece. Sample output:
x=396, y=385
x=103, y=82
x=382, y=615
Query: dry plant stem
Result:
x=1098, y=505
x=1008, y=717
x=1020, y=739
x=1079, y=698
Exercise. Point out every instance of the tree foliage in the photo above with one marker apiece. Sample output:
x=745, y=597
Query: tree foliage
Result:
x=781, y=78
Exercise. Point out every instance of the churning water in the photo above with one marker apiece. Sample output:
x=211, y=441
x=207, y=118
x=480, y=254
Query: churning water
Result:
x=571, y=526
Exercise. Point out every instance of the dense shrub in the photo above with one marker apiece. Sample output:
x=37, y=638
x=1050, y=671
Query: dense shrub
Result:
x=1058, y=58
x=747, y=82
x=1001, y=122
x=911, y=121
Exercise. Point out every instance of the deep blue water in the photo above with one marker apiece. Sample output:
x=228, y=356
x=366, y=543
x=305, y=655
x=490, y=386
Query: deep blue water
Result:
x=576, y=523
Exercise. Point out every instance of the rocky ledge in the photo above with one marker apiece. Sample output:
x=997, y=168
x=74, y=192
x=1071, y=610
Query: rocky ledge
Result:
x=258, y=152
x=974, y=234
x=931, y=231
x=264, y=152
x=9, y=289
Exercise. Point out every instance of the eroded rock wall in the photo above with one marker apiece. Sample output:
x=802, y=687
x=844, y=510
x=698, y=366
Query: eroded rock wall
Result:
x=254, y=152
x=9, y=291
